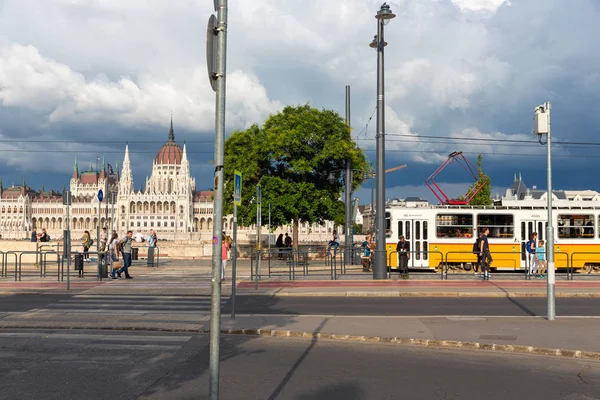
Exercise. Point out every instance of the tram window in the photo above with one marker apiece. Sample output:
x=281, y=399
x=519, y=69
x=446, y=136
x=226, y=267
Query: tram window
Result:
x=400, y=229
x=407, y=234
x=522, y=230
x=424, y=230
x=388, y=225
x=425, y=250
x=417, y=230
x=540, y=231
x=454, y=225
x=579, y=226
x=501, y=225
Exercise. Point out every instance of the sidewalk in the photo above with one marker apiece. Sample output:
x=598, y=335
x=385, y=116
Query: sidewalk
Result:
x=193, y=277
x=422, y=288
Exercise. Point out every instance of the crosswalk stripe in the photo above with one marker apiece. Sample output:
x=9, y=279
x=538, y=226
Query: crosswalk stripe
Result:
x=77, y=336
x=121, y=301
x=151, y=347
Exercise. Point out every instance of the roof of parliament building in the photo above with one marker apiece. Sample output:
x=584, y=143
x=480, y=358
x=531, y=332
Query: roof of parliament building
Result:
x=170, y=153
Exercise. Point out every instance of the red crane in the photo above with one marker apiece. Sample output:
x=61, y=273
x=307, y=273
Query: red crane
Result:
x=479, y=178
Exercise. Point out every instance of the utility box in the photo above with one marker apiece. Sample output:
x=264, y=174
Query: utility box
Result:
x=540, y=123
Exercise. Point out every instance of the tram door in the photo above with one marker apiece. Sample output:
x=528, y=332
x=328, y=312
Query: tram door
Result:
x=415, y=232
x=527, y=228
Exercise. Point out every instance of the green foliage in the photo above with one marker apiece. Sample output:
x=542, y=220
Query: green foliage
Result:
x=484, y=196
x=292, y=156
x=357, y=229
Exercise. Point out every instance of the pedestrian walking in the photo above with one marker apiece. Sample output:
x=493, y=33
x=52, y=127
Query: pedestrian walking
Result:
x=224, y=255
x=532, y=264
x=126, y=251
x=484, y=253
x=540, y=252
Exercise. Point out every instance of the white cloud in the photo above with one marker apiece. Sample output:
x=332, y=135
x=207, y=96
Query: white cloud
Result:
x=30, y=80
x=453, y=68
x=477, y=5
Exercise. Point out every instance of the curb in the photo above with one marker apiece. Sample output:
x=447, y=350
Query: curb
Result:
x=422, y=294
x=433, y=343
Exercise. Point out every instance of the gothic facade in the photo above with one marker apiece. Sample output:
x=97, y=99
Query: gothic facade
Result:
x=168, y=202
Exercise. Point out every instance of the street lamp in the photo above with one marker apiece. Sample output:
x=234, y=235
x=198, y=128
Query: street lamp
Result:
x=541, y=128
x=384, y=15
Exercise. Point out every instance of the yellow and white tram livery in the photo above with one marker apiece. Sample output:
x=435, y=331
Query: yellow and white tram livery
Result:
x=443, y=234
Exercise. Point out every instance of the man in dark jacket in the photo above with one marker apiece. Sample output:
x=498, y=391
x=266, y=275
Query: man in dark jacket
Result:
x=403, y=249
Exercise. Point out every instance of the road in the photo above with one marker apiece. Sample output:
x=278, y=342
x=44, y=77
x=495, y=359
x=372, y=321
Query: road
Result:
x=357, y=306
x=92, y=365
x=353, y=306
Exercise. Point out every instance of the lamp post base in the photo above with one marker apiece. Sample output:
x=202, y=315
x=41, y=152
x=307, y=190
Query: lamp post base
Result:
x=379, y=265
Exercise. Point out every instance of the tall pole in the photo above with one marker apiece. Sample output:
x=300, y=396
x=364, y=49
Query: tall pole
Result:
x=348, y=186
x=234, y=260
x=380, y=266
x=98, y=240
x=550, y=230
x=215, y=320
x=372, y=219
x=258, y=226
x=67, y=241
x=112, y=214
x=269, y=234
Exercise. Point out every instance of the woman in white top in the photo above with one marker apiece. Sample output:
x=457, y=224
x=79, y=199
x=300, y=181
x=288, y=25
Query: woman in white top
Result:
x=114, y=247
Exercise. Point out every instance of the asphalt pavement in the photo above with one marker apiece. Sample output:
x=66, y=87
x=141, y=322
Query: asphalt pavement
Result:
x=292, y=369
x=98, y=365
x=296, y=305
x=411, y=306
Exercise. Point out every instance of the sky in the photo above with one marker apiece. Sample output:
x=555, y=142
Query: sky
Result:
x=80, y=78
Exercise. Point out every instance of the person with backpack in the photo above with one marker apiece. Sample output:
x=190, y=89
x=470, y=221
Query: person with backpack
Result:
x=476, y=252
x=532, y=263
x=484, y=253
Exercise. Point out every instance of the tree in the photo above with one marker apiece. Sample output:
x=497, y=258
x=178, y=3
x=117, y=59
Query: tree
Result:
x=292, y=156
x=484, y=196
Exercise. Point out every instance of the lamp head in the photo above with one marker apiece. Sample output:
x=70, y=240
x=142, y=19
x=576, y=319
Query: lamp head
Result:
x=373, y=44
x=385, y=14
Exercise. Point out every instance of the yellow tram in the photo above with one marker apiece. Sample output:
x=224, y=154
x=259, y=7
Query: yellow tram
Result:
x=441, y=234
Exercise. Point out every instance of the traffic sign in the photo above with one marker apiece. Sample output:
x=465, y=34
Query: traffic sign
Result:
x=100, y=195
x=237, y=191
x=211, y=51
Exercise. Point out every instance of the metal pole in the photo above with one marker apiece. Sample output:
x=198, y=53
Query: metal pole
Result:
x=67, y=251
x=372, y=219
x=269, y=233
x=380, y=266
x=348, y=187
x=112, y=214
x=106, y=214
x=234, y=261
x=550, y=230
x=98, y=241
x=258, y=226
x=215, y=320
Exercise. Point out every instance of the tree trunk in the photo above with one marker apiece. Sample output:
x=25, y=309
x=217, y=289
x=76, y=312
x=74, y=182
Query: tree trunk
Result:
x=295, y=233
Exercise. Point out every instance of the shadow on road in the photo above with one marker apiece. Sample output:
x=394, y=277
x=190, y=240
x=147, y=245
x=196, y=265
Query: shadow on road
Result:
x=187, y=376
x=342, y=391
x=516, y=302
x=292, y=370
